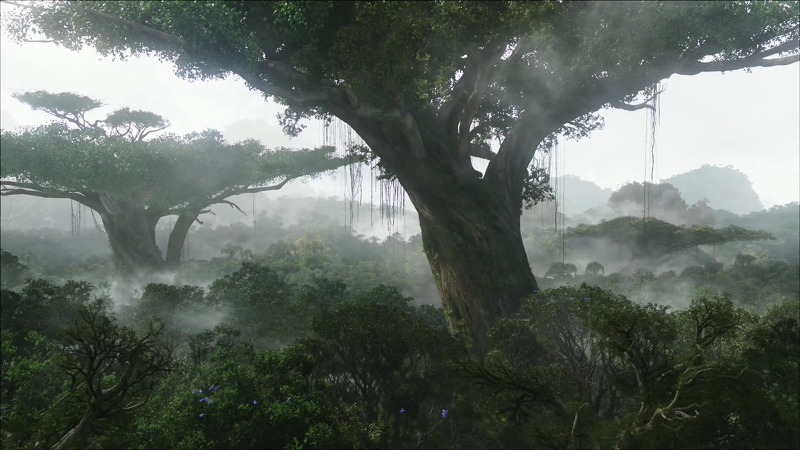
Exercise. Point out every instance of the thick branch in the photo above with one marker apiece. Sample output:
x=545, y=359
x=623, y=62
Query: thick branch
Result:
x=35, y=190
x=481, y=152
x=755, y=60
x=483, y=64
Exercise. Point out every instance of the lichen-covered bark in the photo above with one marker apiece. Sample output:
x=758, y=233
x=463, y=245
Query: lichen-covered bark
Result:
x=474, y=246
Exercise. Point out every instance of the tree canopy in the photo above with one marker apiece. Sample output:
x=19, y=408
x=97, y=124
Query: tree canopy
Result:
x=480, y=66
x=175, y=173
x=114, y=166
x=653, y=238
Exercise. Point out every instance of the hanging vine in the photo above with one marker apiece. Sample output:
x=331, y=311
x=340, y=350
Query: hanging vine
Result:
x=391, y=194
x=76, y=218
x=652, y=119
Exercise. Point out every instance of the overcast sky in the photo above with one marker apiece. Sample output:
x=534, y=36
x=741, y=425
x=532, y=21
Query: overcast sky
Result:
x=746, y=120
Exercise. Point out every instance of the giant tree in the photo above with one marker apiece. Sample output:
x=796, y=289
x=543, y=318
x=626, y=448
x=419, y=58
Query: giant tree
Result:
x=428, y=86
x=131, y=181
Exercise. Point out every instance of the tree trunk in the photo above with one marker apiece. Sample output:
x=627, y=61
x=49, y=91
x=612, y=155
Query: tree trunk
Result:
x=470, y=224
x=473, y=242
x=177, y=238
x=74, y=435
x=132, y=236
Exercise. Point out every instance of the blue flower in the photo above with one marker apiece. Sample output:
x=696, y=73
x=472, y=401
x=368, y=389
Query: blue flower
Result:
x=193, y=391
x=255, y=402
x=209, y=402
x=201, y=415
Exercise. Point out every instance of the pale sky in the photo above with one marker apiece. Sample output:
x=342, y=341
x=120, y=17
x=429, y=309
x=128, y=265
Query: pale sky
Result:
x=749, y=121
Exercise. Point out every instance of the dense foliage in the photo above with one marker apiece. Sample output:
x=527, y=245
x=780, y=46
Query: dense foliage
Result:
x=302, y=347
x=580, y=367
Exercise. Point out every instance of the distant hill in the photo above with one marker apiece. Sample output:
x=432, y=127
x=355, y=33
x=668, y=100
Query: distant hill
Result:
x=581, y=195
x=724, y=188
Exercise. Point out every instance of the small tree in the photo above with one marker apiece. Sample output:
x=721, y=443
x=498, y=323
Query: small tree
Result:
x=117, y=369
x=594, y=268
x=132, y=182
x=561, y=271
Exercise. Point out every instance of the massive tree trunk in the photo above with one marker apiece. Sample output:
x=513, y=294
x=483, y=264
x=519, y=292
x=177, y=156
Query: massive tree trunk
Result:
x=474, y=246
x=470, y=224
x=131, y=229
x=131, y=234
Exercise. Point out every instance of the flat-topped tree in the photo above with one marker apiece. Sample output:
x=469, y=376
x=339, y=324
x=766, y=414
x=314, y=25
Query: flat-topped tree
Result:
x=652, y=238
x=132, y=178
x=428, y=85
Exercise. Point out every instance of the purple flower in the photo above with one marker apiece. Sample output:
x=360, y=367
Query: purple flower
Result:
x=586, y=298
x=535, y=291
x=201, y=391
x=216, y=388
x=210, y=388
x=193, y=391
x=209, y=402
x=201, y=415
x=255, y=402
x=552, y=311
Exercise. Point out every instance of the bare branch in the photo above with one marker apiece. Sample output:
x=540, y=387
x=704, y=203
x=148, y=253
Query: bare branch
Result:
x=233, y=205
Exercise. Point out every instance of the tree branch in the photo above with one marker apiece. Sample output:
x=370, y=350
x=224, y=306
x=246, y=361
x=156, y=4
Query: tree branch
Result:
x=483, y=64
x=36, y=190
x=755, y=60
x=152, y=32
x=481, y=152
x=233, y=205
x=638, y=106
